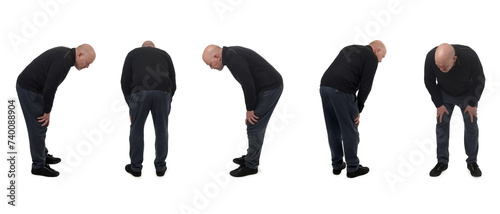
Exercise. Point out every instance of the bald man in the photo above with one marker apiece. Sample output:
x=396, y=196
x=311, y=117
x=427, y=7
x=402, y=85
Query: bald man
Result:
x=262, y=87
x=148, y=84
x=36, y=88
x=352, y=71
x=460, y=82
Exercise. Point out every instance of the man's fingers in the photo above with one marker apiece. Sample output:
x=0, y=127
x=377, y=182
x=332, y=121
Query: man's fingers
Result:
x=249, y=120
x=440, y=118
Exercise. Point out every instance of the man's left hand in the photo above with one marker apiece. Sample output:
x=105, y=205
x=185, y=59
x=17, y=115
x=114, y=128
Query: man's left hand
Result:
x=251, y=117
x=472, y=112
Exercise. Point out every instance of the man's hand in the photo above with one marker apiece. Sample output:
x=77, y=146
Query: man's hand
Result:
x=130, y=118
x=45, y=119
x=251, y=118
x=472, y=112
x=440, y=112
x=356, y=121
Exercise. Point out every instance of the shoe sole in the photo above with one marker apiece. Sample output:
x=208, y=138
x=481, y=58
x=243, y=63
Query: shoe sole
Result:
x=357, y=175
x=50, y=176
x=239, y=176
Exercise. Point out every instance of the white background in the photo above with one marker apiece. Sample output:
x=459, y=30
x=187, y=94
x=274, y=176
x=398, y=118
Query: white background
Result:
x=89, y=122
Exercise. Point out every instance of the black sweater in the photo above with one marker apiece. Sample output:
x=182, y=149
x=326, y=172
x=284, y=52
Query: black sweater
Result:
x=353, y=70
x=147, y=68
x=252, y=71
x=46, y=72
x=465, y=78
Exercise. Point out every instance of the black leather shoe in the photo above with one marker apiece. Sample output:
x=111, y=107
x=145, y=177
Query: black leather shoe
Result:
x=436, y=171
x=474, y=169
x=243, y=171
x=51, y=159
x=45, y=171
x=128, y=168
x=162, y=172
x=240, y=160
x=337, y=171
x=361, y=171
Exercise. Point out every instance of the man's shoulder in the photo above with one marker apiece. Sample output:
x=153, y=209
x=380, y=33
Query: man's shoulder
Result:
x=464, y=51
x=140, y=51
x=61, y=50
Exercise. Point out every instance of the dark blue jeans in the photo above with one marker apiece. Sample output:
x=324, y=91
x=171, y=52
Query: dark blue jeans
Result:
x=266, y=102
x=340, y=110
x=141, y=103
x=32, y=106
x=471, y=132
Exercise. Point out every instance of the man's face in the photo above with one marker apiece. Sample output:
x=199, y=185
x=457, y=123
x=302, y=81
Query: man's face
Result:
x=215, y=63
x=446, y=65
x=82, y=62
x=380, y=54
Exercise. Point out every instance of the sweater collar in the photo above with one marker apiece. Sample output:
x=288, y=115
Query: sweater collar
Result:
x=224, y=51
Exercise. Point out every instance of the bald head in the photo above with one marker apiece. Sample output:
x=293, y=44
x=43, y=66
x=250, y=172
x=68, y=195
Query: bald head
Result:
x=212, y=56
x=148, y=44
x=378, y=49
x=445, y=57
x=85, y=55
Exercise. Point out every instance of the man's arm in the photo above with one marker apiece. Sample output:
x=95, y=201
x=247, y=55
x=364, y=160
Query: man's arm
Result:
x=54, y=77
x=241, y=72
x=430, y=84
x=171, y=74
x=430, y=80
x=366, y=82
x=126, y=80
x=478, y=79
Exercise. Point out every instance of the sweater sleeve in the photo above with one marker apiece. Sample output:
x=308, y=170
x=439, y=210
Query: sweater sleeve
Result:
x=126, y=80
x=57, y=73
x=366, y=82
x=430, y=80
x=241, y=72
x=478, y=79
x=171, y=74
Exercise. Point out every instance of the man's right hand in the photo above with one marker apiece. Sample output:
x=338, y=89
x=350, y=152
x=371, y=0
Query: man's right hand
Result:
x=44, y=119
x=440, y=112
